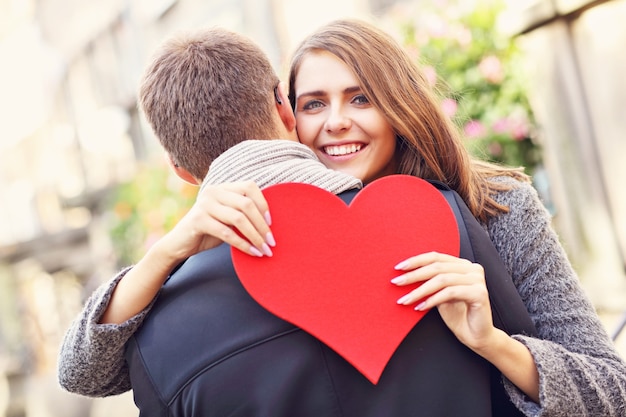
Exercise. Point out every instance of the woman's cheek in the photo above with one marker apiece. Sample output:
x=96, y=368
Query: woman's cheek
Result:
x=305, y=134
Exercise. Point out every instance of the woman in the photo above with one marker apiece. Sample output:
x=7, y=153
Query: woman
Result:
x=377, y=115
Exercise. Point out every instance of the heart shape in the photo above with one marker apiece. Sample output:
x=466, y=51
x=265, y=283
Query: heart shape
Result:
x=332, y=265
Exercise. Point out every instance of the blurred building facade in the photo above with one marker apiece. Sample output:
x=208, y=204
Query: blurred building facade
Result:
x=579, y=98
x=70, y=131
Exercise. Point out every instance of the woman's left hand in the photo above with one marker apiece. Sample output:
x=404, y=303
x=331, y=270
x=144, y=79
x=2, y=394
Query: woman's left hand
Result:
x=457, y=288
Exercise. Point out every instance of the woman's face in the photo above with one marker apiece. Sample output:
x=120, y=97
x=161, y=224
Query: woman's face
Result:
x=336, y=120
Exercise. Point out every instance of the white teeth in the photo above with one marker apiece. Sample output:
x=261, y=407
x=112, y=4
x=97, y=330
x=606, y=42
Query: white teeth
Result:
x=337, y=150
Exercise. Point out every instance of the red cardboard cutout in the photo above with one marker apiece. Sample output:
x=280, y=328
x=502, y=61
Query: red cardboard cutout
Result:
x=332, y=265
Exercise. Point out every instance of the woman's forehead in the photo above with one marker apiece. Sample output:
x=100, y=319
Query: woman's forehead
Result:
x=323, y=70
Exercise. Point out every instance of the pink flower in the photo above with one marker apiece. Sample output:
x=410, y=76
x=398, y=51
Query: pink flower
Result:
x=474, y=129
x=449, y=107
x=519, y=129
x=516, y=127
x=491, y=68
x=501, y=125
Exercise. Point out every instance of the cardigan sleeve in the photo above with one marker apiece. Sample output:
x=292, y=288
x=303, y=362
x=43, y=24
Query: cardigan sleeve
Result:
x=91, y=358
x=580, y=371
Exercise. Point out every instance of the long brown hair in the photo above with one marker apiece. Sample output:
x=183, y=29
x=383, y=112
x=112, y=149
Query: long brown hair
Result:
x=430, y=144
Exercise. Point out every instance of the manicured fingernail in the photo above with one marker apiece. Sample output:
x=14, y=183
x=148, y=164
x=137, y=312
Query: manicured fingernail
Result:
x=268, y=218
x=254, y=251
x=398, y=280
x=401, y=265
x=266, y=250
x=420, y=306
x=269, y=238
x=403, y=299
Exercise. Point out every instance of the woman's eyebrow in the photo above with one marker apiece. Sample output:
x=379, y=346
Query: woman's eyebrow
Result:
x=316, y=93
x=320, y=93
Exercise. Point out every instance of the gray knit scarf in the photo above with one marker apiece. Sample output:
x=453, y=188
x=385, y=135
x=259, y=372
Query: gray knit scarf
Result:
x=268, y=162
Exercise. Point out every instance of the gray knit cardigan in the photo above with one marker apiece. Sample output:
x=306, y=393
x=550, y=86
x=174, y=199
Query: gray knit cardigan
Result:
x=580, y=371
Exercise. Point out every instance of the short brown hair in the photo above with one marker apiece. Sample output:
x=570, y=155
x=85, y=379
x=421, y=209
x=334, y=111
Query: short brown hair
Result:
x=205, y=91
x=431, y=145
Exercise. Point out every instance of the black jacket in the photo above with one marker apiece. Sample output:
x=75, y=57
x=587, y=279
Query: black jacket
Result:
x=208, y=349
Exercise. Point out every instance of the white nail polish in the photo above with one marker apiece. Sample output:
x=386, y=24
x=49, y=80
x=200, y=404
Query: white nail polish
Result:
x=401, y=265
x=269, y=238
x=403, y=299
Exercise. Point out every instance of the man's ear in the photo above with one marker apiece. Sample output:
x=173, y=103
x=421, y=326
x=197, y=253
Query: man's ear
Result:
x=284, y=109
x=182, y=173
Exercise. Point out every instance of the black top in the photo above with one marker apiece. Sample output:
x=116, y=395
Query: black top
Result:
x=208, y=349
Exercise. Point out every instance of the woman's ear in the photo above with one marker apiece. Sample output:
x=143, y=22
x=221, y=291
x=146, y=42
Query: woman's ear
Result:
x=284, y=109
x=182, y=173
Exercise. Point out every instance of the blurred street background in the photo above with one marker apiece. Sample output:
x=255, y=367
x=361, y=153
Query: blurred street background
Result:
x=84, y=187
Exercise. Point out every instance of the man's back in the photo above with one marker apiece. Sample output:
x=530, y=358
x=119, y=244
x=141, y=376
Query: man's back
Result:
x=209, y=349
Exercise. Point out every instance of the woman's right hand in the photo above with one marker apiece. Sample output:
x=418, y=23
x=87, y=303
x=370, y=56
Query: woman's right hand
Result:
x=235, y=213
x=217, y=212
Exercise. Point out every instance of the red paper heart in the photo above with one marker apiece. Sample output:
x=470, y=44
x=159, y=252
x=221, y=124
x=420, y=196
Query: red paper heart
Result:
x=332, y=265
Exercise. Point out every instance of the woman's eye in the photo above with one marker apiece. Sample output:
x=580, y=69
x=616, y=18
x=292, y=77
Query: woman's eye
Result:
x=360, y=99
x=311, y=105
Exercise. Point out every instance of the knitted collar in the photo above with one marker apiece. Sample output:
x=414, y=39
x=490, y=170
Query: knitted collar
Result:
x=268, y=162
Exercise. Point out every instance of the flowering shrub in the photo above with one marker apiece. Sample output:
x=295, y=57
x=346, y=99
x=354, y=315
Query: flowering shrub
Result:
x=477, y=70
x=143, y=210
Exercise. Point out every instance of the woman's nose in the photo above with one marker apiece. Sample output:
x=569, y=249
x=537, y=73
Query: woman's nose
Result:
x=337, y=121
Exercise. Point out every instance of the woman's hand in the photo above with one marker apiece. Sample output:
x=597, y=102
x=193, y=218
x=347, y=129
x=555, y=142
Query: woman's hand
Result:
x=457, y=288
x=218, y=213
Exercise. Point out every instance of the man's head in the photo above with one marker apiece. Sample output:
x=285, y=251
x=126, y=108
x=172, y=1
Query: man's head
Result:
x=208, y=90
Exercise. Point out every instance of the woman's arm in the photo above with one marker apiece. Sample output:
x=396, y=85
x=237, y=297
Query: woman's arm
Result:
x=572, y=368
x=91, y=359
x=580, y=371
x=211, y=220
